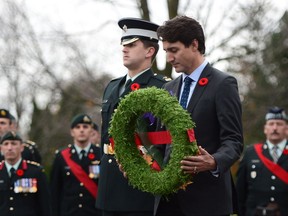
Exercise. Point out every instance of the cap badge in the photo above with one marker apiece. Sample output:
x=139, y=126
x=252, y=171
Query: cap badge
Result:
x=3, y=113
x=86, y=119
x=125, y=28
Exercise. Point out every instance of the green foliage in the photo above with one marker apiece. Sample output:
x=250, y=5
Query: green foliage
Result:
x=177, y=121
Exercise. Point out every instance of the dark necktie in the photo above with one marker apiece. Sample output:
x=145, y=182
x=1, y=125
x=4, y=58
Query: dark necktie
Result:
x=275, y=153
x=128, y=82
x=82, y=156
x=12, y=172
x=186, y=91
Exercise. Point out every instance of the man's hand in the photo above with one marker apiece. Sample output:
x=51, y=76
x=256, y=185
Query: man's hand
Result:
x=199, y=163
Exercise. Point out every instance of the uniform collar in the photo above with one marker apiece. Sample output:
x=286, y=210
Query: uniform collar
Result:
x=15, y=166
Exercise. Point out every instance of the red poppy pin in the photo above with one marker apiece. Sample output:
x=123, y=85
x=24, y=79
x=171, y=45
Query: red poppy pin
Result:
x=285, y=151
x=20, y=172
x=135, y=86
x=203, y=81
x=91, y=156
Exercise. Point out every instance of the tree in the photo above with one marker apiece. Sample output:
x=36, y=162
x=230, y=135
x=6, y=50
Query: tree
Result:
x=268, y=81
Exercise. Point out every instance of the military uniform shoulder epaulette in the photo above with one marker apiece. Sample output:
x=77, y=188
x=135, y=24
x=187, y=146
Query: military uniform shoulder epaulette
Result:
x=33, y=163
x=62, y=148
x=162, y=77
x=30, y=142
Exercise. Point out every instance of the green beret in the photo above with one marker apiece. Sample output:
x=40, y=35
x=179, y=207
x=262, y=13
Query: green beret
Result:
x=81, y=119
x=11, y=135
x=5, y=114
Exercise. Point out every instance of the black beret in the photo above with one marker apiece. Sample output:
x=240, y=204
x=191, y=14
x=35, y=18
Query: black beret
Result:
x=81, y=119
x=135, y=28
x=11, y=135
x=276, y=113
x=95, y=126
x=5, y=114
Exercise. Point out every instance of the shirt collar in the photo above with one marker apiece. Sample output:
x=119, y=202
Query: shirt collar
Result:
x=78, y=149
x=15, y=166
x=280, y=145
x=196, y=73
x=134, y=77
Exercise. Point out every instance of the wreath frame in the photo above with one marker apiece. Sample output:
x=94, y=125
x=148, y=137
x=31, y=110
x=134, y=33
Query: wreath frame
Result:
x=177, y=120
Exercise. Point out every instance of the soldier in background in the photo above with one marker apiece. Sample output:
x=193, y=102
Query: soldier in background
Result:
x=75, y=173
x=23, y=185
x=95, y=136
x=8, y=122
x=262, y=182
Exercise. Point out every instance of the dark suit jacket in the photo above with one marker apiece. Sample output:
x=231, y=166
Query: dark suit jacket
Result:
x=24, y=203
x=69, y=196
x=258, y=186
x=216, y=110
x=115, y=194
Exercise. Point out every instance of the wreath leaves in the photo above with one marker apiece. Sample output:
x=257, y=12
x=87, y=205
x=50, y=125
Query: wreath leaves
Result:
x=177, y=121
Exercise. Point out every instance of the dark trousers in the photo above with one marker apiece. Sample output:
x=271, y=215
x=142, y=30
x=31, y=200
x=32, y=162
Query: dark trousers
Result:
x=115, y=213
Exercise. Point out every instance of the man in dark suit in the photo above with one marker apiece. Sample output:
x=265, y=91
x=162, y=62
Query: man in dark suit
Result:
x=23, y=184
x=262, y=178
x=212, y=98
x=75, y=173
x=140, y=45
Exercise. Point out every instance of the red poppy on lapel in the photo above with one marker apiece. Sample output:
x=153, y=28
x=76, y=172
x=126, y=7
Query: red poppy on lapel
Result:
x=20, y=172
x=135, y=86
x=91, y=156
x=285, y=151
x=203, y=81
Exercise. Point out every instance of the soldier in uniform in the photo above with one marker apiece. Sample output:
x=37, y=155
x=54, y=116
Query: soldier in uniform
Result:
x=95, y=136
x=75, y=173
x=23, y=185
x=5, y=122
x=140, y=46
x=8, y=122
x=262, y=182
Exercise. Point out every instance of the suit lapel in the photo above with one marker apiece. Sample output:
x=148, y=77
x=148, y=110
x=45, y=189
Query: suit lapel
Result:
x=199, y=90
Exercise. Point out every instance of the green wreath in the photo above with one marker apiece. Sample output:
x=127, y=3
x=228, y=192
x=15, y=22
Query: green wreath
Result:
x=177, y=121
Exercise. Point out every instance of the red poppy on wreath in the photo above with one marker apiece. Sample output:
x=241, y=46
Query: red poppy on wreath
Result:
x=20, y=172
x=203, y=81
x=135, y=86
x=285, y=151
x=91, y=156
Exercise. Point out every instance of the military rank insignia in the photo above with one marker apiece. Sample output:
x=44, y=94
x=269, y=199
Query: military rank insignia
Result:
x=94, y=171
x=25, y=185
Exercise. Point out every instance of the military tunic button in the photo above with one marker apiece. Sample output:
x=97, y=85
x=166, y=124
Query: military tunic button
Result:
x=272, y=188
x=273, y=177
x=11, y=198
x=80, y=205
x=110, y=161
x=11, y=188
x=272, y=199
x=80, y=195
x=253, y=166
x=11, y=208
x=67, y=173
x=81, y=184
